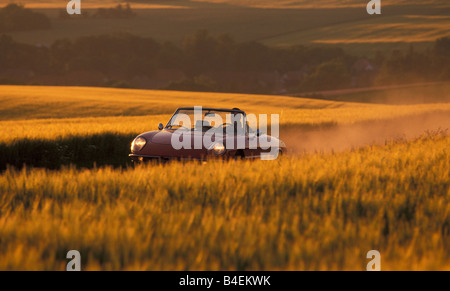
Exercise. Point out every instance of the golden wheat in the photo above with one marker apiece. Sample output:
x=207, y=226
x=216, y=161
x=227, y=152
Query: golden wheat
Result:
x=50, y=113
x=316, y=212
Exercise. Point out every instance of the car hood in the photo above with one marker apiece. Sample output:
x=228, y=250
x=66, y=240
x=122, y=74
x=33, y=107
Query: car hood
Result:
x=162, y=137
x=165, y=136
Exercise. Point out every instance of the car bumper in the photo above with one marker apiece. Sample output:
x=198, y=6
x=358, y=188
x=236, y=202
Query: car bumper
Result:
x=144, y=158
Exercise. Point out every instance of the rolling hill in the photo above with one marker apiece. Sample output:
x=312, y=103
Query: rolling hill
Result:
x=343, y=23
x=307, y=211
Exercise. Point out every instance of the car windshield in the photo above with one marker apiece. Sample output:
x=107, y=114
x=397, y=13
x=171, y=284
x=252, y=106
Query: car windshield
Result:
x=205, y=120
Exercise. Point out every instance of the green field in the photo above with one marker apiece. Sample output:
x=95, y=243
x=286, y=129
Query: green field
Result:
x=331, y=23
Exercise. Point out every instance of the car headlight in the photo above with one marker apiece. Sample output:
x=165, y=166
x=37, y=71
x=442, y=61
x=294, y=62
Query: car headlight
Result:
x=218, y=149
x=138, y=144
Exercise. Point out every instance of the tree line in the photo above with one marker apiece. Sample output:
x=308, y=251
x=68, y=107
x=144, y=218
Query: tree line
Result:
x=15, y=17
x=119, y=11
x=213, y=63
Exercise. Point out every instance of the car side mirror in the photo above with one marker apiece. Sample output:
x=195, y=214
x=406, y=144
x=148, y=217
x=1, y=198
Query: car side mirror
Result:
x=160, y=126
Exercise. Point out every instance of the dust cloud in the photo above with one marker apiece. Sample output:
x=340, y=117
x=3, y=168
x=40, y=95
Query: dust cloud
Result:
x=346, y=137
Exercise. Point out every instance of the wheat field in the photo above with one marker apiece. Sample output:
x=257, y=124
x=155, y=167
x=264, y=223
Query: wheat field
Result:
x=311, y=211
x=49, y=113
x=274, y=23
x=319, y=212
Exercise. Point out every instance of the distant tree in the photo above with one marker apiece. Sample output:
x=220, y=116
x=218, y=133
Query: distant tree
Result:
x=410, y=67
x=318, y=55
x=117, y=12
x=441, y=58
x=171, y=57
x=6, y=48
x=330, y=75
x=61, y=53
x=249, y=67
x=252, y=56
x=378, y=59
x=225, y=52
x=15, y=17
x=122, y=53
x=15, y=55
x=199, y=84
x=442, y=47
x=200, y=51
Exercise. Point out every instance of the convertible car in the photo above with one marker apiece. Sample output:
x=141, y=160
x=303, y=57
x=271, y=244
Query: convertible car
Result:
x=197, y=133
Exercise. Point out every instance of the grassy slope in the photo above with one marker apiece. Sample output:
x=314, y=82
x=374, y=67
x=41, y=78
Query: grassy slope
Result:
x=302, y=215
x=299, y=215
x=278, y=4
x=52, y=112
x=54, y=126
x=31, y=102
x=394, y=95
x=341, y=25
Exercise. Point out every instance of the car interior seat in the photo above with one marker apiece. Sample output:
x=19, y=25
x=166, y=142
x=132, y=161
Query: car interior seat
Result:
x=200, y=125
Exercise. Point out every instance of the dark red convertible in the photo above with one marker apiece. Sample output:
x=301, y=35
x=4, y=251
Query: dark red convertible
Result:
x=197, y=133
